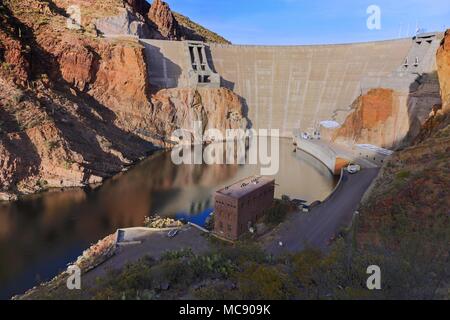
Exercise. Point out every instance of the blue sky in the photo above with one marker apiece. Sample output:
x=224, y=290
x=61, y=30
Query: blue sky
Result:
x=312, y=21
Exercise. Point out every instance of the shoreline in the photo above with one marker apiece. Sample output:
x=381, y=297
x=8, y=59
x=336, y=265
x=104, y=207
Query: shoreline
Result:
x=7, y=197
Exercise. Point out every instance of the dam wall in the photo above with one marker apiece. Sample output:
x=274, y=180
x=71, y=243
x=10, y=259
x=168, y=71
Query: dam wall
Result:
x=294, y=87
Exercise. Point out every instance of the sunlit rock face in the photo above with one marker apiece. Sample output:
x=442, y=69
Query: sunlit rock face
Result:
x=76, y=108
x=217, y=108
x=163, y=18
x=443, y=66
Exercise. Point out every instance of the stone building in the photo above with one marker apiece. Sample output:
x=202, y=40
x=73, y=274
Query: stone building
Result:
x=239, y=206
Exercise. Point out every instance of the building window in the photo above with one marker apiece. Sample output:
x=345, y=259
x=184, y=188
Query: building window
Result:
x=229, y=228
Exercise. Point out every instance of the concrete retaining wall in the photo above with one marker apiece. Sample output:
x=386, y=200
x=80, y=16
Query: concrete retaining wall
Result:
x=325, y=155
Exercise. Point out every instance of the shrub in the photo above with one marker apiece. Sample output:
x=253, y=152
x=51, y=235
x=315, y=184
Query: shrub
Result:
x=260, y=282
x=51, y=145
x=403, y=174
x=276, y=213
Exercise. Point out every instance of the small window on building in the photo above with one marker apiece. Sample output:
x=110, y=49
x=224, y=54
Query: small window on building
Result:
x=416, y=61
x=229, y=228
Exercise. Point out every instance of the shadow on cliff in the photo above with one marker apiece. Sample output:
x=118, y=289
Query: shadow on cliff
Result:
x=20, y=147
x=81, y=132
x=162, y=65
x=423, y=95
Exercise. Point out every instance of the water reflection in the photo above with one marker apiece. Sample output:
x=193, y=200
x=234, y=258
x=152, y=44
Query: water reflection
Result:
x=40, y=234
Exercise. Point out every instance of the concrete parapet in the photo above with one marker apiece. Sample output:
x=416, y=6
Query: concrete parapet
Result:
x=323, y=153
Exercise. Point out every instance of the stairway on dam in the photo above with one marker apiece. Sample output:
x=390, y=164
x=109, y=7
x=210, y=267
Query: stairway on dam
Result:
x=295, y=87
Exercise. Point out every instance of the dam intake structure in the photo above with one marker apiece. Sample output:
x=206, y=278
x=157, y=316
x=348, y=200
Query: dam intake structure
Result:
x=297, y=87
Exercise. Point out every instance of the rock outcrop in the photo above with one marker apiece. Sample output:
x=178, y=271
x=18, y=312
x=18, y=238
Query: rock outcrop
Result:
x=390, y=119
x=443, y=66
x=374, y=119
x=140, y=6
x=164, y=20
x=216, y=108
x=115, y=18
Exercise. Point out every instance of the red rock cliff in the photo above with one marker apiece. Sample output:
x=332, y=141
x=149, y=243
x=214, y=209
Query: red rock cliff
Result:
x=161, y=15
x=75, y=109
x=373, y=120
x=443, y=65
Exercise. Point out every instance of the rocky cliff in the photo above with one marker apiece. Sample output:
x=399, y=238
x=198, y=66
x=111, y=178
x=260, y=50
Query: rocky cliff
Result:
x=139, y=18
x=373, y=120
x=163, y=18
x=443, y=65
x=76, y=108
x=390, y=119
x=175, y=26
x=179, y=108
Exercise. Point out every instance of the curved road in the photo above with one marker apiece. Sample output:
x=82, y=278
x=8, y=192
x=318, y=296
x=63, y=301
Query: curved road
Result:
x=314, y=229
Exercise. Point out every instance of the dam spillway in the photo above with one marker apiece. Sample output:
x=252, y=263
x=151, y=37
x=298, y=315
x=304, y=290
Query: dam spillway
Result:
x=295, y=87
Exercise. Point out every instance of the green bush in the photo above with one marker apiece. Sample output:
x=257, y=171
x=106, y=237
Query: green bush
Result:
x=276, y=213
x=403, y=174
x=261, y=282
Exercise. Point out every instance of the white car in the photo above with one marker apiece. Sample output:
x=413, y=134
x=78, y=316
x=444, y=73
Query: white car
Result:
x=353, y=168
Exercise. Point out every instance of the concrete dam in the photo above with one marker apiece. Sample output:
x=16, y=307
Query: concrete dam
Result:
x=293, y=87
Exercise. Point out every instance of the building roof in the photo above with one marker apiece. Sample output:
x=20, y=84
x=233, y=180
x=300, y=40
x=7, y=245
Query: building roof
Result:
x=245, y=186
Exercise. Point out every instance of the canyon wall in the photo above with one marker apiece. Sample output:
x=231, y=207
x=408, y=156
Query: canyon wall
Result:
x=443, y=68
x=76, y=108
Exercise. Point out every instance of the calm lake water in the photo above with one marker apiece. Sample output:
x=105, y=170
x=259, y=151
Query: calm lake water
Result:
x=41, y=234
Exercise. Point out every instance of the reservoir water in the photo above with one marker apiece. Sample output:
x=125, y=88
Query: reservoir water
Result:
x=41, y=234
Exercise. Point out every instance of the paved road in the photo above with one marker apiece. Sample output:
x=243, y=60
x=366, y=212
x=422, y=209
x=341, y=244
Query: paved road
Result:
x=324, y=221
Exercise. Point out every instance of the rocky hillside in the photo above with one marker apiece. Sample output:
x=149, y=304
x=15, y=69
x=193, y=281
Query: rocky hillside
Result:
x=406, y=216
x=75, y=107
x=176, y=26
x=139, y=18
